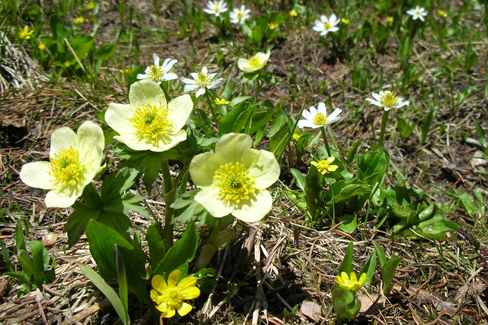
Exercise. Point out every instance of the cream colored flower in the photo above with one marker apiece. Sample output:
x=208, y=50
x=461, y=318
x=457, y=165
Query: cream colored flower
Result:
x=234, y=178
x=149, y=122
x=254, y=63
x=387, y=100
x=74, y=161
x=318, y=118
x=159, y=73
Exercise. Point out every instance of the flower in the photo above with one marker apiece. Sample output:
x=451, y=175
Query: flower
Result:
x=79, y=20
x=352, y=283
x=442, y=13
x=272, y=26
x=159, y=73
x=324, y=166
x=216, y=7
x=254, y=63
x=90, y=5
x=74, y=161
x=417, y=13
x=25, y=33
x=41, y=46
x=238, y=16
x=389, y=19
x=201, y=81
x=318, y=118
x=67, y=64
x=221, y=101
x=345, y=21
x=169, y=296
x=293, y=13
x=296, y=135
x=234, y=178
x=387, y=100
x=148, y=122
x=325, y=25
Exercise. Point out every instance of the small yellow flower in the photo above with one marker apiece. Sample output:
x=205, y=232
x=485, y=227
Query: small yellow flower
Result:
x=79, y=20
x=442, y=13
x=351, y=283
x=126, y=71
x=221, y=101
x=41, y=46
x=345, y=21
x=296, y=135
x=272, y=26
x=67, y=64
x=90, y=5
x=25, y=33
x=324, y=166
x=169, y=296
x=293, y=13
x=389, y=19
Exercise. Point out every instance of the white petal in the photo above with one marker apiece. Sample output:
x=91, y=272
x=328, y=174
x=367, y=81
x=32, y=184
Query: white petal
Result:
x=62, y=138
x=61, y=200
x=306, y=114
x=322, y=109
x=208, y=197
x=200, y=92
x=256, y=209
x=188, y=81
x=156, y=59
x=36, y=174
x=170, y=76
x=190, y=88
x=181, y=108
x=216, y=83
x=307, y=124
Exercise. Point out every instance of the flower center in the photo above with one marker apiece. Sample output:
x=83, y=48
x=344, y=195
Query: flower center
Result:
x=217, y=8
x=66, y=168
x=173, y=298
x=155, y=73
x=389, y=99
x=319, y=119
x=151, y=122
x=254, y=62
x=202, y=80
x=327, y=26
x=240, y=15
x=234, y=182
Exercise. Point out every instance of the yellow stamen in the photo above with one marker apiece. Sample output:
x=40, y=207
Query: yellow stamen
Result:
x=319, y=119
x=152, y=123
x=66, y=169
x=327, y=26
x=254, y=62
x=155, y=73
x=235, y=183
x=202, y=80
x=389, y=99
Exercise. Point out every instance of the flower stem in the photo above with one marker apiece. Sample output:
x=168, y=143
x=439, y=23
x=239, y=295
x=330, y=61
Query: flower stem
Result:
x=211, y=106
x=383, y=127
x=324, y=136
x=169, y=197
x=258, y=88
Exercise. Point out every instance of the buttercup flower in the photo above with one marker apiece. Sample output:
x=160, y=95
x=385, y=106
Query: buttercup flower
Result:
x=216, y=7
x=387, y=100
x=293, y=13
x=234, y=178
x=389, y=19
x=324, y=166
x=67, y=64
x=254, y=63
x=221, y=101
x=74, y=161
x=238, y=16
x=345, y=21
x=25, y=33
x=442, y=13
x=318, y=118
x=169, y=297
x=41, y=46
x=159, y=73
x=326, y=25
x=272, y=26
x=296, y=135
x=148, y=122
x=201, y=81
x=417, y=13
x=351, y=283
x=90, y=5
x=79, y=20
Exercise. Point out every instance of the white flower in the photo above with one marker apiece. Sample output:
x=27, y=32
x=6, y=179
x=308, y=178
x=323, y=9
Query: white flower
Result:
x=159, y=73
x=74, y=161
x=238, y=16
x=254, y=63
x=148, y=122
x=201, y=81
x=417, y=13
x=216, y=7
x=318, y=118
x=387, y=100
x=325, y=25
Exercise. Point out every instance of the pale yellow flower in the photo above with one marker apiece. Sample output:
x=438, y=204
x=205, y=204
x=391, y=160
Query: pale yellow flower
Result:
x=148, y=122
x=254, y=63
x=324, y=166
x=74, y=161
x=351, y=283
x=25, y=33
x=170, y=296
x=234, y=178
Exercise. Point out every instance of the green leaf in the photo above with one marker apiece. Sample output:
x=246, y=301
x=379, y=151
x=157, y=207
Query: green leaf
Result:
x=388, y=272
x=183, y=251
x=57, y=28
x=381, y=254
x=91, y=197
x=346, y=190
x=299, y=178
x=426, y=123
x=122, y=279
x=227, y=123
x=235, y=101
x=107, y=290
x=350, y=222
x=346, y=265
x=78, y=220
x=19, y=238
x=150, y=165
x=372, y=166
x=344, y=304
x=156, y=246
x=368, y=268
x=6, y=257
x=352, y=153
x=105, y=52
x=117, y=183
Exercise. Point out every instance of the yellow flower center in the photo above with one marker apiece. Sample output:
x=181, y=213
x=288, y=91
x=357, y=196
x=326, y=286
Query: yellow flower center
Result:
x=327, y=26
x=172, y=298
x=66, y=169
x=389, y=99
x=239, y=15
x=235, y=183
x=152, y=122
x=254, y=62
x=217, y=9
x=319, y=119
x=155, y=73
x=202, y=80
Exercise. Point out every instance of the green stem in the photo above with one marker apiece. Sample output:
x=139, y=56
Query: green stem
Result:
x=259, y=85
x=211, y=106
x=169, y=197
x=383, y=127
x=324, y=136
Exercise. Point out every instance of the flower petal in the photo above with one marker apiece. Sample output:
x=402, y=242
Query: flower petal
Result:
x=146, y=92
x=200, y=92
x=208, y=197
x=62, y=200
x=255, y=209
x=266, y=170
x=173, y=278
x=185, y=309
x=181, y=108
x=36, y=174
x=158, y=283
x=232, y=146
x=117, y=117
x=167, y=313
x=203, y=168
x=62, y=138
x=190, y=293
x=187, y=282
